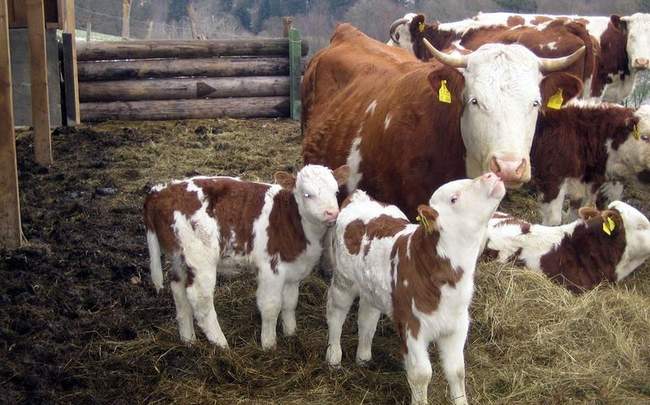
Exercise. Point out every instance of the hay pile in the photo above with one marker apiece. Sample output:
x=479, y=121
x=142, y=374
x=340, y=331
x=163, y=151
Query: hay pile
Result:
x=80, y=321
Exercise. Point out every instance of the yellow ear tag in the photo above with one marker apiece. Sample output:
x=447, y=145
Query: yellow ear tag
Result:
x=444, y=95
x=608, y=226
x=556, y=100
x=636, y=133
x=421, y=26
x=425, y=224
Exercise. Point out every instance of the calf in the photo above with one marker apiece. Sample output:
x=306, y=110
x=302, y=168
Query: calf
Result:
x=601, y=246
x=276, y=227
x=422, y=276
x=577, y=148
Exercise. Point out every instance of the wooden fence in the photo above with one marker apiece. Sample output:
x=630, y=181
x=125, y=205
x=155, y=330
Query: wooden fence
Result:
x=154, y=80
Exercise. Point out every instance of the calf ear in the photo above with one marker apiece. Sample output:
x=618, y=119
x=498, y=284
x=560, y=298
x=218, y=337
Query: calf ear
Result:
x=286, y=180
x=560, y=83
x=619, y=22
x=341, y=174
x=587, y=213
x=612, y=222
x=416, y=23
x=427, y=217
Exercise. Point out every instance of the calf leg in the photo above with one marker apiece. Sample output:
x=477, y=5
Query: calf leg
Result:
x=270, y=286
x=450, y=348
x=200, y=293
x=184, y=315
x=367, y=321
x=339, y=300
x=289, y=303
x=418, y=368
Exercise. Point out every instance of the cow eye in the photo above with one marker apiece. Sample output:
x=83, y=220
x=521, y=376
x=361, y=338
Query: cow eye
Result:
x=397, y=36
x=645, y=138
x=454, y=199
x=307, y=195
x=536, y=103
x=473, y=101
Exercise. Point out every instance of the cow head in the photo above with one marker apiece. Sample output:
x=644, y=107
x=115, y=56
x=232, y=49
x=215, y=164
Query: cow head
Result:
x=464, y=207
x=632, y=156
x=505, y=89
x=637, y=237
x=315, y=188
x=400, y=31
x=637, y=27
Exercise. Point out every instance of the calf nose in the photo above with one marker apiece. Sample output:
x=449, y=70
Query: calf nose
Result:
x=331, y=214
x=509, y=170
x=641, y=63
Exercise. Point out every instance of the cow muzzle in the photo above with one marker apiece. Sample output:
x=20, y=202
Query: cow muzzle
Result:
x=641, y=63
x=513, y=172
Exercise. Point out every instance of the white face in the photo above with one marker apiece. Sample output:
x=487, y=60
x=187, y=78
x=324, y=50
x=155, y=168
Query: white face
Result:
x=637, y=230
x=315, y=193
x=502, y=100
x=467, y=205
x=638, y=40
x=403, y=34
x=633, y=155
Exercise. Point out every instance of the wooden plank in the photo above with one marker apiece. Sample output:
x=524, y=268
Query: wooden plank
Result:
x=165, y=68
x=18, y=14
x=40, y=102
x=250, y=107
x=295, y=72
x=10, y=232
x=70, y=64
x=184, y=88
x=117, y=50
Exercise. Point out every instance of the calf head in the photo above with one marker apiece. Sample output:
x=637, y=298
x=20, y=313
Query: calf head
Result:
x=632, y=156
x=637, y=27
x=314, y=189
x=400, y=31
x=505, y=89
x=465, y=206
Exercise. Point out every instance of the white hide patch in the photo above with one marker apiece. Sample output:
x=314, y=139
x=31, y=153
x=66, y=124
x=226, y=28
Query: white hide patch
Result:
x=354, y=161
x=371, y=107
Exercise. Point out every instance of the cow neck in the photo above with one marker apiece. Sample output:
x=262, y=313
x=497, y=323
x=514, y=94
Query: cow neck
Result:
x=289, y=233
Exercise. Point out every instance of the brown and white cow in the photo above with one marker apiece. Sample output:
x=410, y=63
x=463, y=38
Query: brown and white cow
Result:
x=581, y=149
x=278, y=228
x=623, y=47
x=602, y=246
x=555, y=39
x=405, y=127
x=422, y=276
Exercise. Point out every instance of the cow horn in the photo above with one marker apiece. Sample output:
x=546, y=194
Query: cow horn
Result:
x=394, y=26
x=457, y=61
x=549, y=65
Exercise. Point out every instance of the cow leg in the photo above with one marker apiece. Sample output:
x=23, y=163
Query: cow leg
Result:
x=289, y=303
x=418, y=367
x=270, y=288
x=552, y=210
x=200, y=292
x=184, y=315
x=450, y=348
x=339, y=301
x=367, y=321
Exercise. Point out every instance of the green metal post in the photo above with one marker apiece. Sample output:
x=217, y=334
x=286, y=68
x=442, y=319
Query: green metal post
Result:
x=295, y=48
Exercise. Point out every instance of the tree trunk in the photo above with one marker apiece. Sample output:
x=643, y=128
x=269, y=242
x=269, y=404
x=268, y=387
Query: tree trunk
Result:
x=126, y=18
x=191, y=13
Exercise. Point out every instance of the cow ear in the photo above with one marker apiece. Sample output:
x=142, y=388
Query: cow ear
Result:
x=587, y=213
x=286, y=180
x=341, y=174
x=612, y=222
x=447, y=84
x=415, y=26
x=558, y=88
x=427, y=217
x=618, y=22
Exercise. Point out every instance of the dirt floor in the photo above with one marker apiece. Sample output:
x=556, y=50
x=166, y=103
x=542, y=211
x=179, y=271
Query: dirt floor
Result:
x=81, y=323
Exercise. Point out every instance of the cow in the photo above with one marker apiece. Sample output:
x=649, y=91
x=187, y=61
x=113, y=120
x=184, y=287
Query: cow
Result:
x=601, y=246
x=557, y=38
x=405, y=127
x=278, y=228
x=622, y=47
x=582, y=150
x=422, y=276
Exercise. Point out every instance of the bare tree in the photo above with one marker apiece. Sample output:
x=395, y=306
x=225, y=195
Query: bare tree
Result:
x=126, y=18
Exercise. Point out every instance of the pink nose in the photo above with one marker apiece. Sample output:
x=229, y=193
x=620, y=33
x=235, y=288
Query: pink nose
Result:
x=509, y=170
x=641, y=63
x=331, y=214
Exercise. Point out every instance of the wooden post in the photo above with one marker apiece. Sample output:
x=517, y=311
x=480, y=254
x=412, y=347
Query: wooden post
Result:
x=40, y=102
x=287, y=22
x=71, y=78
x=126, y=18
x=10, y=233
x=295, y=47
x=88, y=31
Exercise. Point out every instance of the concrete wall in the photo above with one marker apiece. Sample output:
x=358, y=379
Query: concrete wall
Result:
x=20, y=71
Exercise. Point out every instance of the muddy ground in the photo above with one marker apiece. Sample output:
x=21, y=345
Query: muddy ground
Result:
x=81, y=323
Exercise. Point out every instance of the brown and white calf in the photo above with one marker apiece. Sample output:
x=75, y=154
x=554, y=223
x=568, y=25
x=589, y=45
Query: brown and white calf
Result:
x=276, y=227
x=422, y=276
x=581, y=149
x=601, y=246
